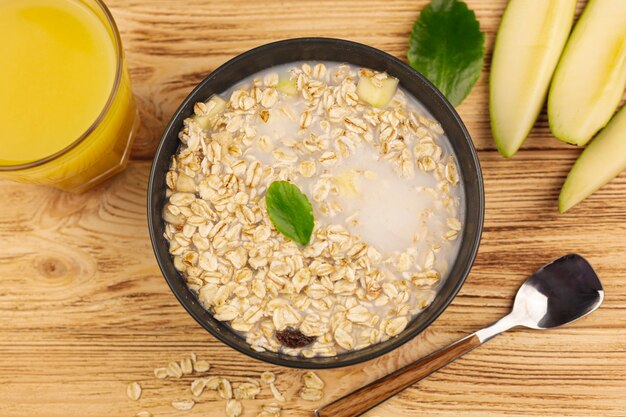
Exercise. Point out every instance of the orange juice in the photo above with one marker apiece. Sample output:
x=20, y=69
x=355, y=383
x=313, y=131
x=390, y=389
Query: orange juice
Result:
x=67, y=114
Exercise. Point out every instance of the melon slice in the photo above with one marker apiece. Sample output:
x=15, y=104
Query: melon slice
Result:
x=590, y=78
x=530, y=40
x=600, y=162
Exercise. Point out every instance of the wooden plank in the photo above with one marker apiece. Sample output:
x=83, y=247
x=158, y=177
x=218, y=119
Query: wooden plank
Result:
x=84, y=309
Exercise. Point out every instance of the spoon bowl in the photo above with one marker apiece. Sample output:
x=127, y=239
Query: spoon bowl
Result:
x=557, y=294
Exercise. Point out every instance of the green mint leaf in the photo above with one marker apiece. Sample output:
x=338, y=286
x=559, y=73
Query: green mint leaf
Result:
x=447, y=47
x=290, y=211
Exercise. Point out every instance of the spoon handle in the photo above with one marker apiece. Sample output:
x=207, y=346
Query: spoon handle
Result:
x=369, y=396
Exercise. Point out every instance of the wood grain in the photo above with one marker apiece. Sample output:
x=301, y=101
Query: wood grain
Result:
x=84, y=309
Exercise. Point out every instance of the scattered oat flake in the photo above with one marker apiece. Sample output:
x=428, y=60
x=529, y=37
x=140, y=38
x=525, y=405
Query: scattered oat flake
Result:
x=174, y=370
x=183, y=405
x=197, y=386
x=277, y=395
x=233, y=408
x=213, y=382
x=133, y=391
x=143, y=413
x=247, y=390
x=224, y=389
x=160, y=373
x=272, y=408
x=311, y=394
x=201, y=366
x=268, y=377
x=311, y=380
x=186, y=366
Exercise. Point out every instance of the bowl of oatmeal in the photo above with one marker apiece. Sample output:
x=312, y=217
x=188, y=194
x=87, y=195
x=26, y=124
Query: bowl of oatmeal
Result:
x=315, y=203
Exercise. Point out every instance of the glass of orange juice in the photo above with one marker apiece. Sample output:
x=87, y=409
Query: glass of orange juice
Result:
x=67, y=113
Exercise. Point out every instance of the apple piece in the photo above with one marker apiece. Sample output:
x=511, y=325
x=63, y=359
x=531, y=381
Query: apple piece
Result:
x=287, y=86
x=599, y=163
x=346, y=181
x=590, y=78
x=531, y=37
x=216, y=105
x=375, y=91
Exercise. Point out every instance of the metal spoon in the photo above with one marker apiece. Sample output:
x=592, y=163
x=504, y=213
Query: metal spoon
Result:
x=557, y=294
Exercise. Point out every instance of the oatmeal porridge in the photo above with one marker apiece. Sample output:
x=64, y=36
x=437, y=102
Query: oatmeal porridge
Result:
x=384, y=192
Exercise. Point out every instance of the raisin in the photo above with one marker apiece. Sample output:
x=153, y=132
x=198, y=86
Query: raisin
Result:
x=293, y=338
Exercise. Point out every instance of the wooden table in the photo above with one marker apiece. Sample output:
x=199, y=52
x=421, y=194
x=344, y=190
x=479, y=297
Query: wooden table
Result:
x=84, y=309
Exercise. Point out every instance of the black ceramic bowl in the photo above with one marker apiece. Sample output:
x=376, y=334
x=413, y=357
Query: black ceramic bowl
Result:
x=322, y=49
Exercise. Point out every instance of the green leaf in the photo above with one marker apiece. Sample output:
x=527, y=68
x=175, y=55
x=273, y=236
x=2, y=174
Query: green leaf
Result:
x=447, y=47
x=290, y=211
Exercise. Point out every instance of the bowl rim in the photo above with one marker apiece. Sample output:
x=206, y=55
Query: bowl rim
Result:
x=402, y=338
